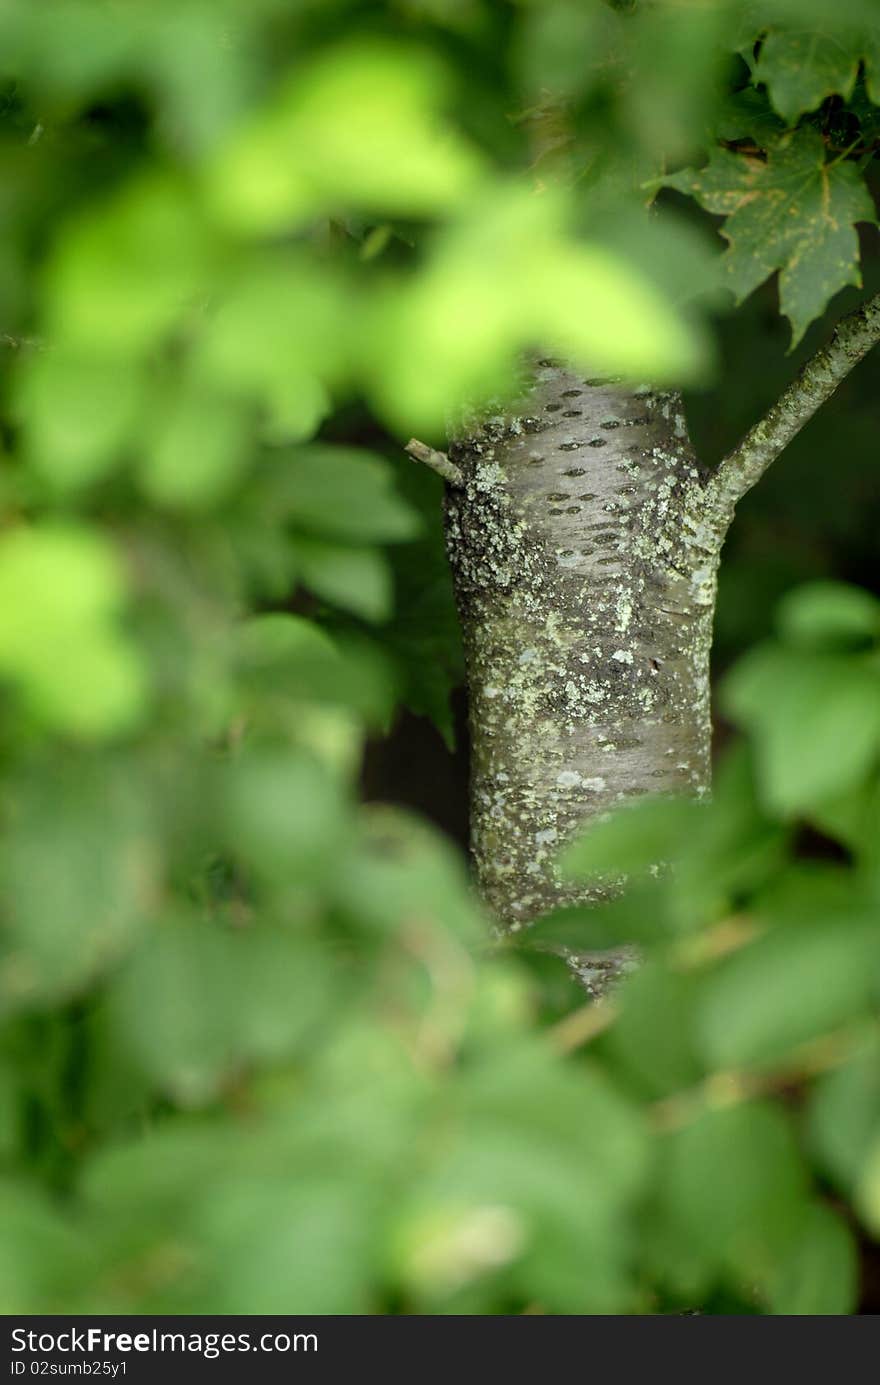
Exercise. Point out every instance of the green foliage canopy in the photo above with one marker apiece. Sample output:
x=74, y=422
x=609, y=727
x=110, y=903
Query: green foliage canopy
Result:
x=255, y=1054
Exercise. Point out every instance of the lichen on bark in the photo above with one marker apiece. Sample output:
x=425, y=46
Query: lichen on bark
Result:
x=584, y=555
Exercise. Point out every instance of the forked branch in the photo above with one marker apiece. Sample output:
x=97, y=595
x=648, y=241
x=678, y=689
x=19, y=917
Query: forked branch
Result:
x=853, y=338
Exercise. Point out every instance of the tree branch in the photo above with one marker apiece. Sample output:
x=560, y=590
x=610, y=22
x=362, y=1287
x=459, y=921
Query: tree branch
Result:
x=437, y=461
x=853, y=338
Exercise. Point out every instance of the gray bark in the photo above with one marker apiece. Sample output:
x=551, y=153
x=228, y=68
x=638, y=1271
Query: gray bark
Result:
x=584, y=557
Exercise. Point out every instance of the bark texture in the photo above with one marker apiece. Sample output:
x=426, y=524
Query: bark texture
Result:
x=584, y=548
x=584, y=538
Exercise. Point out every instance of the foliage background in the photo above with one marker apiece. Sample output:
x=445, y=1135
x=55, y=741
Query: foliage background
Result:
x=257, y=1053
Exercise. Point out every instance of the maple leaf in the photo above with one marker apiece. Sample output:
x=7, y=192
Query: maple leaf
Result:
x=801, y=68
x=793, y=212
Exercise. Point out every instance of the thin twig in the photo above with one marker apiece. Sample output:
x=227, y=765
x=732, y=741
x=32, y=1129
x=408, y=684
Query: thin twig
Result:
x=720, y=1089
x=582, y=1025
x=437, y=461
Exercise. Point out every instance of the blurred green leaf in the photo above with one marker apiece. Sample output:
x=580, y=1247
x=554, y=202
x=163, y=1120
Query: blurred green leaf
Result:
x=732, y=1185
x=641, y=914
x=125, y=272
x=403, y=875
x=278, y=332
x=786, y=988
x=309, y=1241
x=867, y=1194
x=42, y=1254
x=422, y=362
x=61, y=592
x=341, y=493
x=820, y=1275
x=829, y=615
x=285, y=813
x=79, y=411
x=844, y=1116
x=654, y=1036
x=732, y=848
x=815, y=719
x=634, y=839
x=361, y=126
x=80, y=867
x=285, y=659
x=356, y=578
x=172, y=1006
x=196, y=450
x=196, y=1005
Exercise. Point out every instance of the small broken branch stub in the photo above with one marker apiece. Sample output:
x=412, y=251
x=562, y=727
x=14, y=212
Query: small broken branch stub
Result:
x=437, y=461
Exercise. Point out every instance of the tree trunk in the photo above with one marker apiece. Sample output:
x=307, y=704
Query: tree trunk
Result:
x=584, y=546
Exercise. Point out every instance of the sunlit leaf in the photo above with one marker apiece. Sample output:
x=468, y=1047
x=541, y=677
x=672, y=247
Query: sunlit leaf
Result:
x=124, y=272
x=79, y=413
x=360, y=127
x=61, y=593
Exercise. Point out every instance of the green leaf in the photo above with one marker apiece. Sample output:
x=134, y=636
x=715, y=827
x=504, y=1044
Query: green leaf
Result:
x=67, y=922
x=733, y=1185
x=807, y=58
x=284, y=659
x=196, y=450
x=124, y=271
x=639, y=915
x=286, y=987
x=403, y=872
x=197, y=1002
x=580, y=1109
x=285, y=813
x=786, y=988
x=306, y=152
x=801, y=67
x=829, y=615
x=342, y=493
x=851, y=818
x=815, y=719
x=793, y=212
x=284, y=640
x=564, y=1152
x=747, y=114
x=267, y=1244
x=78, y=411
x=171, y=1008
x=732, y=848
x=358, y=579
x=634, y=839
x=279, y=332
x=425, y=632
x=43, y=1256
x=844, y=1117
x=419, y=360
x=819, y=1275
x=653, y=1038
x=867, y=1194
x=61, y=591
